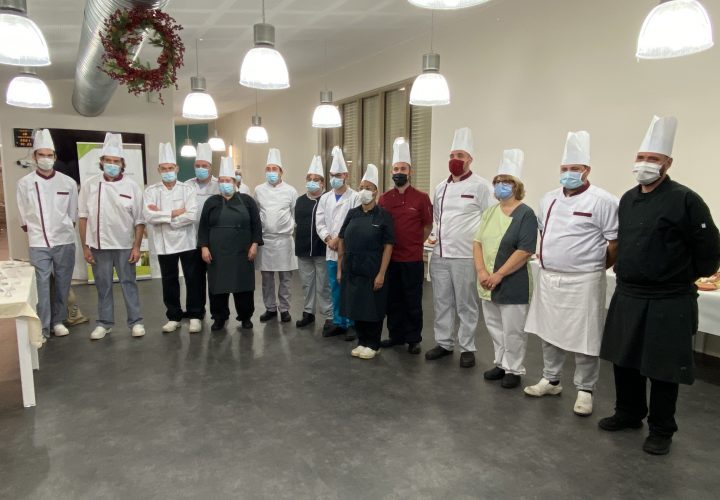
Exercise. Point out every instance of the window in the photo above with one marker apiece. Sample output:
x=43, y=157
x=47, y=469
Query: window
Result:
x=371, y=123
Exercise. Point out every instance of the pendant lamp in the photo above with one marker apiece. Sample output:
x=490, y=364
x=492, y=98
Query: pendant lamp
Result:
x=28, y=91
x=21, y=41
x=430, y=88
x=264, y=67
x=198, y=104
x=446, y=4
x=256, y=134
x=675, y=28
x=188, y=149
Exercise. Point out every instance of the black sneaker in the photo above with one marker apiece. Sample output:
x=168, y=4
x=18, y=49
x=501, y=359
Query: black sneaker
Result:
x=616, y=423
x=657, y=445
x=390, y=342
x=510, y=381
x=437, y=352
x=306, y=320
x=218, y=324
x=496, y=373
x=334, y=331
x=351, y=335
x=285, y=317
x=467, y=359
x=267, y=316
x=246, y=324
x=328, y=325
x=414, y=348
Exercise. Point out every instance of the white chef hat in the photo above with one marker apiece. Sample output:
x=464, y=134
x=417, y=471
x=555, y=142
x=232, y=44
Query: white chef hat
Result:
x=338, y=164
x=166, y=154
x=660, y=136
x=43, y=140
x=577, y=149
x=463, y=141
x=227, y=167
x=316, y=167
x=274, y=158
x=204, y=153
x=371, y=174
x=113, y=145
x=401, y=151
x=512, y=163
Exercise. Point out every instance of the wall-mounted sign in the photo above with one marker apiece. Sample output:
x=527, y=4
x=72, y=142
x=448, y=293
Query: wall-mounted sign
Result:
x=23, y=137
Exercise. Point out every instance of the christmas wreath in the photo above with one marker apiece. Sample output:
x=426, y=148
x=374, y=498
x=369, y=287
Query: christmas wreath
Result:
x=121, y=37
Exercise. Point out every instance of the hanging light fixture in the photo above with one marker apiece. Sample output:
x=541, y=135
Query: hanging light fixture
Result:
x=264, y=67
x=256, y=134
x=28, y=91
x=21, y=41
x=675, y=28
x=326, y=115
x=430, y=88
x=446, y=4
x=188, y=149
x=216, y=143
x=199, y=105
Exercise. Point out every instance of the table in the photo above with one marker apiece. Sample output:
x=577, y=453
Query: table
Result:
x=18, y=300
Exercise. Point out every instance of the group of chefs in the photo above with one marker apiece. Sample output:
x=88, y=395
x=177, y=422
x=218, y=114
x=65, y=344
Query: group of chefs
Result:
x=359, y=256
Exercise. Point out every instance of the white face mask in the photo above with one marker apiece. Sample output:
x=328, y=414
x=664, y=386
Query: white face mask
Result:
x=45, y=163
x=646, y=172
x=366, y=196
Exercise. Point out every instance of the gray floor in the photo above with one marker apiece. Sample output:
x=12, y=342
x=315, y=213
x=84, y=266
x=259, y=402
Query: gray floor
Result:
x=279, y=412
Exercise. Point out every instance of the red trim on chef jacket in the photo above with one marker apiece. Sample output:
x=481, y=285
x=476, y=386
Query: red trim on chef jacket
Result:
x=98, y=215
x=42, y=217
x=580, y=190
x=45, y=177
x=464, y=176
x=442, y=204
x=545, y=228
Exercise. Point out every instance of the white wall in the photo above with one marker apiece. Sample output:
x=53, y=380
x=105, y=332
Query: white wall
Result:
x=125, y=113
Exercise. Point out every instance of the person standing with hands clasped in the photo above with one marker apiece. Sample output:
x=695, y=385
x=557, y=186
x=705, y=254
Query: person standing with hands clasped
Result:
x=504, y=243
x=364, y=250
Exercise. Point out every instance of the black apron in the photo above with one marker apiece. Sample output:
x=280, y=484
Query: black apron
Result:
x=361, y=263
x=230, y=270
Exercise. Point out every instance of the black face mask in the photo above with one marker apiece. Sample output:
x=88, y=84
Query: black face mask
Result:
x=400, y=179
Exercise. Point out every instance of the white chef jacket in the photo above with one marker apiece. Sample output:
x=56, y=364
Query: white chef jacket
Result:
x=202, y=193
x=457, y=210
x=112, y=209
x=575, y=229
x=330, y=215
x=242, y=188
x=277, y=216
x=176, y=234
x=48, y=208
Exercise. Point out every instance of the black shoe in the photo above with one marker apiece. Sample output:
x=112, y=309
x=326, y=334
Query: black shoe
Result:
x=335, y=331
x=351, y=335
x=414, y=348
x=246, y=324
x=327, y=326
x=467, y=359
x=616, y=423
x=657, y=445
x=218, y=324
x=306, y=320
x=510, y=381
x=390, y=342
x=267, y=316
x=437, y=352
x=285, y=317
x=496, y=373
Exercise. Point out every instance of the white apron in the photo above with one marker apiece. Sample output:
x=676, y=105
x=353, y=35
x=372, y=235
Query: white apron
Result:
x=568, y=310
x=277, y=254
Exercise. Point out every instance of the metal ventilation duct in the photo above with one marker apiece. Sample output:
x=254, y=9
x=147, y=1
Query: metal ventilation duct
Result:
x=93, y=88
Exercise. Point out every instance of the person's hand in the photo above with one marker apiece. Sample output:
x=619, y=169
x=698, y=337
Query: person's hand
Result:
x=493, y=281
x=153, y=207
x=177, y=212
x=483, y=276
x=252, y=252
x=379, y=282
x=338, y=276
x=333, y=243
x=87, y=253
x=134, y=255
x=206, y=255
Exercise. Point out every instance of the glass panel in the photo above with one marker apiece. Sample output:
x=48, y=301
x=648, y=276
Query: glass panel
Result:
x=396, y=108
x=371, y=140
x=420, y=126
x=350, y=138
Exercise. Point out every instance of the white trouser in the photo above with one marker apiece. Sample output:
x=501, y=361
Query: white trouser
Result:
x=505, y=323
x=454, y=292
x=587, y=368
x=313, y=276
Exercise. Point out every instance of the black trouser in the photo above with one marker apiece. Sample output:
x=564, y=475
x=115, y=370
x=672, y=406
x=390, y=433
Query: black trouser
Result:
x=369, y=333
x=244, y=305
x=404, y=309
x=194, y=296
x=631, y=400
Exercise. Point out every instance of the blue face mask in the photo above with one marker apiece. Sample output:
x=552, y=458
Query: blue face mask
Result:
x=503, y=190
x=571, y=180
x=272, y=177
x=111, y=170
x=312, y=186
x=336, y=182
x=168, y=176
x=238, y=178
x=202, y=173
x=226, y=188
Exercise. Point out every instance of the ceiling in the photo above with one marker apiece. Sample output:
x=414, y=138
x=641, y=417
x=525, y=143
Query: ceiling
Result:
x=352, y=30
